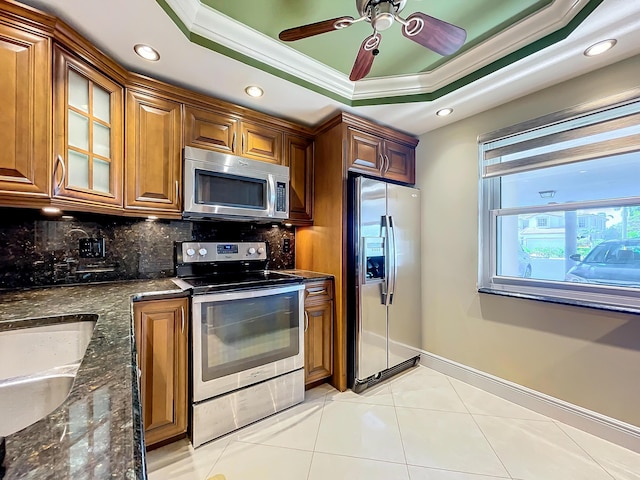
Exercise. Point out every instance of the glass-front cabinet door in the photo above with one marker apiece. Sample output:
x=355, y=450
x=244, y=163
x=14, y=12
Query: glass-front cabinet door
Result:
x=88, y=138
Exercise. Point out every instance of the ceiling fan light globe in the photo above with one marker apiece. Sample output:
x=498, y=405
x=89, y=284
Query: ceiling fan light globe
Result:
x=382, y=21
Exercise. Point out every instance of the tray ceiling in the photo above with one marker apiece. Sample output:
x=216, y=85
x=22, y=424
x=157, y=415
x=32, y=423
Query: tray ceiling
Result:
x=514, y=62
x=499, y=32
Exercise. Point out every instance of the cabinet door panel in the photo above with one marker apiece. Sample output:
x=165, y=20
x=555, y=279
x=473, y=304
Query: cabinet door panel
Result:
x=319, y=342
x=154, y=153
x=299, y=159
x=261, y=142
x=88, y=133
x=400, y=162
x=161, y=339
x=210, y=130
x=365, y=152
x=25, y=121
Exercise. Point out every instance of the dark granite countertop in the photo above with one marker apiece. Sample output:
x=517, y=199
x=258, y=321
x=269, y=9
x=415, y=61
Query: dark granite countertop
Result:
x=97, y=432
x=308, y=275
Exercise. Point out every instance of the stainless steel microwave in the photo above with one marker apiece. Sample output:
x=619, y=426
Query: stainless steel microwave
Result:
x=218, y=185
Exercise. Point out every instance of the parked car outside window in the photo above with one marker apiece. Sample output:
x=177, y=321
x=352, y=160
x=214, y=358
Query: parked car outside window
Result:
x=612, y=262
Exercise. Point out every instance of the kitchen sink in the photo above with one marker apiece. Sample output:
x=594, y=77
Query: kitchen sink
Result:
x=38, y=365
x=25, y=351
x=25, y=400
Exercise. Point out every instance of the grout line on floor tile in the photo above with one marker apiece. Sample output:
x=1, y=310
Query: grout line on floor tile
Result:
x=584, y=450
x=490, y=444
x=404, y=451
x=483, y=475
x=458, y=395
x=315, y=442
x=209, y=474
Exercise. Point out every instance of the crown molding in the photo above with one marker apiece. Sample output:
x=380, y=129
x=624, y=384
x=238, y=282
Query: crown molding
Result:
x=247, y=45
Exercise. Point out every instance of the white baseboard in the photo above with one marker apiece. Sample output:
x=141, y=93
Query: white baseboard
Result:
x=615, y=431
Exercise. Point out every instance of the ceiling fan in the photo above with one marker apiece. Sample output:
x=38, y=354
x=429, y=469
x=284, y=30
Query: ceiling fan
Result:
x=437, y=35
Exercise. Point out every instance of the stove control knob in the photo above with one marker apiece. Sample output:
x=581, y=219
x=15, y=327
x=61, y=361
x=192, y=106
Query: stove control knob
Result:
x=202, y=251
x=191, y=252
x=251, y=251
x=260, y=250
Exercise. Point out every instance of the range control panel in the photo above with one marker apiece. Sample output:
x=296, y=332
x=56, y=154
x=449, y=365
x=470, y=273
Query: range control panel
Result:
x=194, y=252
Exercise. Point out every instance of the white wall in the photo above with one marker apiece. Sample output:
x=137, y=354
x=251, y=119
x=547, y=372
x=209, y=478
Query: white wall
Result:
x=584, y=356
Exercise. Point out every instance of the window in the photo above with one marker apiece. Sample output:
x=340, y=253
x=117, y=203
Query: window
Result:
x=560, y=206
x=543, y=222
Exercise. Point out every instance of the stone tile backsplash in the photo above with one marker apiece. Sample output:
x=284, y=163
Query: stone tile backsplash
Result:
x=39, y=250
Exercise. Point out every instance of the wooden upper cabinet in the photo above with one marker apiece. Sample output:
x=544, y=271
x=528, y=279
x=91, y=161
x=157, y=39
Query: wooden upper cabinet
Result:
x=299, y=158
x=365, y=152
x=154, y=154
x=25, y=70
x=88, y=133
x=400, y=162
x=210, y=130
x=226, y=133
x=381, y=157
x=261, y=142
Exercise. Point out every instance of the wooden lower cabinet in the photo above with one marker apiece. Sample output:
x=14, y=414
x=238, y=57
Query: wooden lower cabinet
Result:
x=318, y=335
x=162, y=331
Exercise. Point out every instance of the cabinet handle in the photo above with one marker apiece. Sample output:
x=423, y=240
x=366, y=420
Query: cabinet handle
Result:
x=177, y=192
x=381, y=163
x=243, y=143
x=311, y=293
x=233, y=142
x=60, y=161
x=386, y=168
x=182, y=310
x=306, y=320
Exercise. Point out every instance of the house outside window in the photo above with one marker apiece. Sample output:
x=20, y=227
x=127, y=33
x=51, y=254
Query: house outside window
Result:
x=560, y=206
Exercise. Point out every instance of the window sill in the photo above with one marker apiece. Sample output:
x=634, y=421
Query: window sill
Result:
x=562, y=301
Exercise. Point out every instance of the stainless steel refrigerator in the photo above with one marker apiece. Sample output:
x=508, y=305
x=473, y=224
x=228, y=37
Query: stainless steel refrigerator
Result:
x=385, y=310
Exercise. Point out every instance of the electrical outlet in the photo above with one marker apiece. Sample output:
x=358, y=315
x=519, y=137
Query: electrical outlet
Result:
x=91, y=247
x=286, y=245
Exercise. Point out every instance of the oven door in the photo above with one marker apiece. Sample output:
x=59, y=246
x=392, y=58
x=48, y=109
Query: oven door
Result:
x=244, y=337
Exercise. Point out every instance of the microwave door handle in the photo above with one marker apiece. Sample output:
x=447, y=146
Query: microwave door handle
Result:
x=271, y=193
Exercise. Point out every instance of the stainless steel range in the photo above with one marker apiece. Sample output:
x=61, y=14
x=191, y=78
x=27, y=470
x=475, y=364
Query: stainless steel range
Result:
x=248, y=347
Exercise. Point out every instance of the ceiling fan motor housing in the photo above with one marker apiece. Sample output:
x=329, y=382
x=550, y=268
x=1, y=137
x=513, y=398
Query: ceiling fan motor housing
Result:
x=381, y=13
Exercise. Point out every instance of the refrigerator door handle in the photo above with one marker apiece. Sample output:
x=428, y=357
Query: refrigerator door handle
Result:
x=394, y=256
x=387, y=260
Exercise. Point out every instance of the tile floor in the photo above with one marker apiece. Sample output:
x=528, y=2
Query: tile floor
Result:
x=420, y=425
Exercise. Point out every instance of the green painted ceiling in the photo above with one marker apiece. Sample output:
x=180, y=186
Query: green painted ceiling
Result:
x=398, y=55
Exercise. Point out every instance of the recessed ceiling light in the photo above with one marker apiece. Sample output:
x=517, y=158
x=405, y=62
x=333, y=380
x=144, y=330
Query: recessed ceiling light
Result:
x=600, y=47
x=67, y=217
x=51, y=210
x=254, y=91
x=152, y=218
x=443, y=112
x=147, y=52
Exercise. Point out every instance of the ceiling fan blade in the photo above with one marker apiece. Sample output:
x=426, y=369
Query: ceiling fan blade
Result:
x=304, y=31
x=364, y=59
x=437, y=35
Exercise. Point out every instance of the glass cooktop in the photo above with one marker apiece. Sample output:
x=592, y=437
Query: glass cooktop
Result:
x=238, y=280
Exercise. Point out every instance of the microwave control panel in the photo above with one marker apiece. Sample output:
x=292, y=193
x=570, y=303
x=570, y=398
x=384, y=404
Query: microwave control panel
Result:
x=281, y=197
